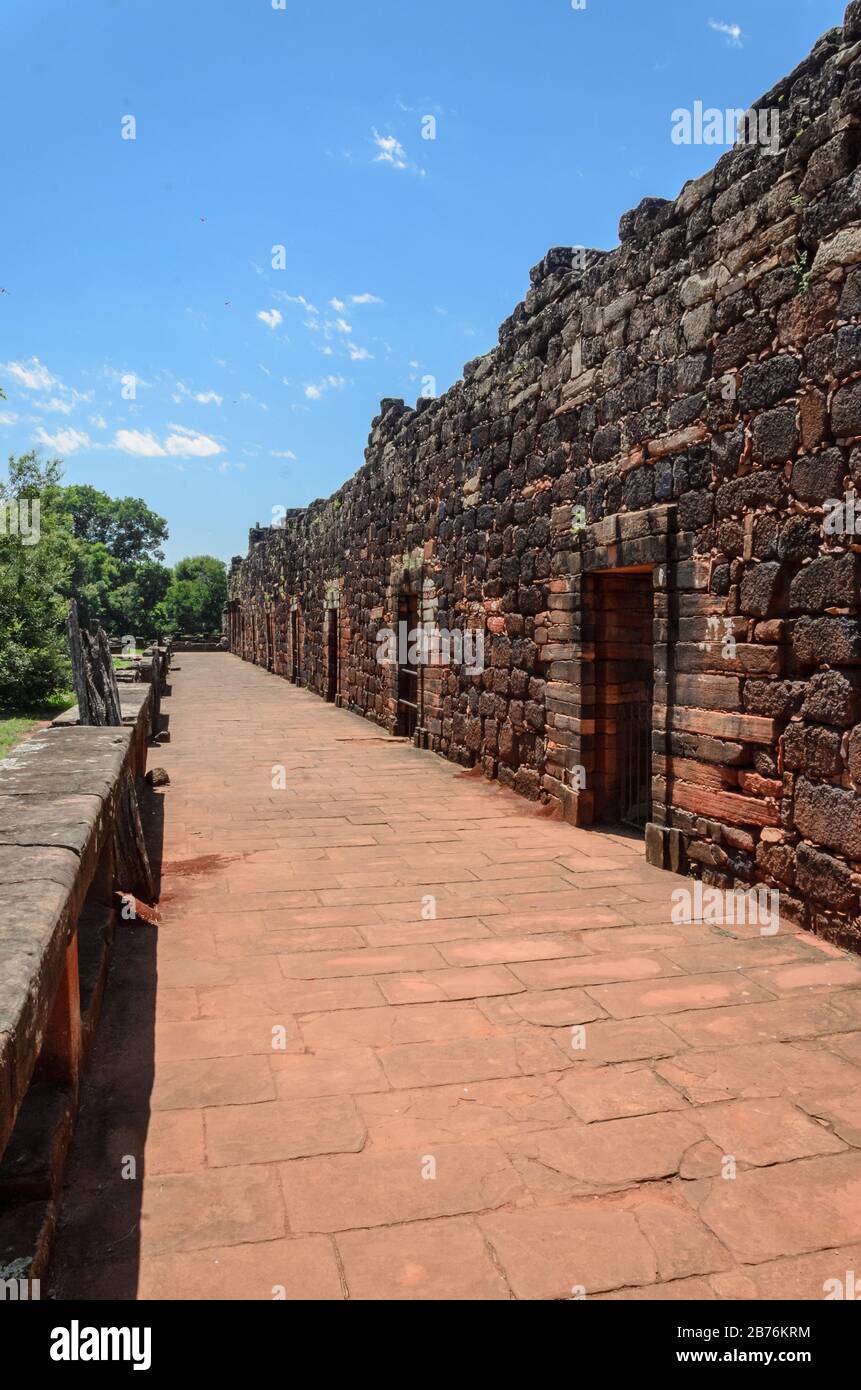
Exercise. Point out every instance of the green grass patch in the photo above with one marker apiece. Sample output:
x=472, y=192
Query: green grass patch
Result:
x=16, y=724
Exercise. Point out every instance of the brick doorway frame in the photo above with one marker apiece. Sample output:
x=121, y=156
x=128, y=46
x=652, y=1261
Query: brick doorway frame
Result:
x=633, y=543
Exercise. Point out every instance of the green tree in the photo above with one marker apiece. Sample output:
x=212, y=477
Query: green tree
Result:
x=35, y=564
x=126, y=526
x=197, y=594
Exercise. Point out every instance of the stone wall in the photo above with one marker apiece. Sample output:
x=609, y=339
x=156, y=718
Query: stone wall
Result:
x=681, y=408
x=64, y=825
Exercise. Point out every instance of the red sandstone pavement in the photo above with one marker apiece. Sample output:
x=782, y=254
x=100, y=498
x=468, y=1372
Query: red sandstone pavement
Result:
x=328, y=1092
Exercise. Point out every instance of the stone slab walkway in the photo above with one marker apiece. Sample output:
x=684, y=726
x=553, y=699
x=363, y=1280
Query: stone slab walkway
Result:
x=402, y=1036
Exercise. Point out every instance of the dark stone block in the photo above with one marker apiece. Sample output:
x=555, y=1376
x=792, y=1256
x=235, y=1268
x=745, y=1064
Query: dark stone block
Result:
x=846, y=412
x=829, y=816
x=825, y=879
x=775, y=435
x=761, y=590
x=818, y=477
x=766, y=383
x=834, y=697
x=827, y=641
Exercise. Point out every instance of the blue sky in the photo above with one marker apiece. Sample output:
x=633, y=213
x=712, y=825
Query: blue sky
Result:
x=259, y=127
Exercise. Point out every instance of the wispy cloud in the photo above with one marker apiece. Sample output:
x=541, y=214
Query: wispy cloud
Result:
x=138, y=443
x=359, y=354
x=365, y=299
x=732, y=32
x=271, y=317
x=296, y=299
x=180, y=443
x=8, y=417
x=284, y=454
x=32, y=375
x=391, y=151
x=64, y=441
x=186, y=443
x=314, y=392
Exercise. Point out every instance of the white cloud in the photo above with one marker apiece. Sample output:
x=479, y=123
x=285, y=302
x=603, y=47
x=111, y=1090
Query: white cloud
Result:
x=33, y=375
x=342, y=326
x=338, y=305
x=98, y=422
x=391, y=151
x=64, y=441
x=271, y=317
x=283, y=454
x=141, y=445
x=335, y=383
x=186, y=443
x=180, y=443
x=359, y=354
x=364, y=299
x=296, y=299
x=8, y=417
x=64, y=407
x=732, y=31
x=208, y=398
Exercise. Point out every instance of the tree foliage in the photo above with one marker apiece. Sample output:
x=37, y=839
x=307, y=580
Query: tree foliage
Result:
x=104, y=552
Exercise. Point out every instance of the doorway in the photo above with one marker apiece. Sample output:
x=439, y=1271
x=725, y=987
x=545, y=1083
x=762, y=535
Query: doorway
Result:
x=333, y=655
x=623, y=616
x=408, y=665
x=295, y=667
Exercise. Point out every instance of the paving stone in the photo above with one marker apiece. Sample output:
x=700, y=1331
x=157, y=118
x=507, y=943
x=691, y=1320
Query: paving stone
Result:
x=799, y=1018
x=758, y=1070
x=677, y=995
x=300, y=1270
x=841, y=1112
x=460, y=1114
x=611, y=1154
x=594, y=970
x=628, y=1041
x=789, y=1209
x=439, y=1260
x=370, y=1189
x=470, y=1059
x=762, y=1132
x=561, y=1252
x=389, y=1027
x=478, y=983
x=828, y=1275
x=239, y=1134
x=327, y=1074
x=212, y=1081
x=615, y=1094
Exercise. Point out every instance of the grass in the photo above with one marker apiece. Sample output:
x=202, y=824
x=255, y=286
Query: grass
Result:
x=16, y=724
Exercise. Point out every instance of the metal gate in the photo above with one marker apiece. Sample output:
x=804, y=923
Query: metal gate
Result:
x=635, y=763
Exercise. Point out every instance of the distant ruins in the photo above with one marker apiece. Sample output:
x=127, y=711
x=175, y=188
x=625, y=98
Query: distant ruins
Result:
x=635, y=500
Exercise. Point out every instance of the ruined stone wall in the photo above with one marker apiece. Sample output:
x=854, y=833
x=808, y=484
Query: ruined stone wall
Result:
x=697, y=393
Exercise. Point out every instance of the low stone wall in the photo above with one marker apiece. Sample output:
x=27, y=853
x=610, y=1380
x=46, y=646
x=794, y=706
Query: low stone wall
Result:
x=63, y=794
x=685, y=407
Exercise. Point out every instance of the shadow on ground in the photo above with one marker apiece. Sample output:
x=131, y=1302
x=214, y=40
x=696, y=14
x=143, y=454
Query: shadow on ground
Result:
x=97, y=1249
